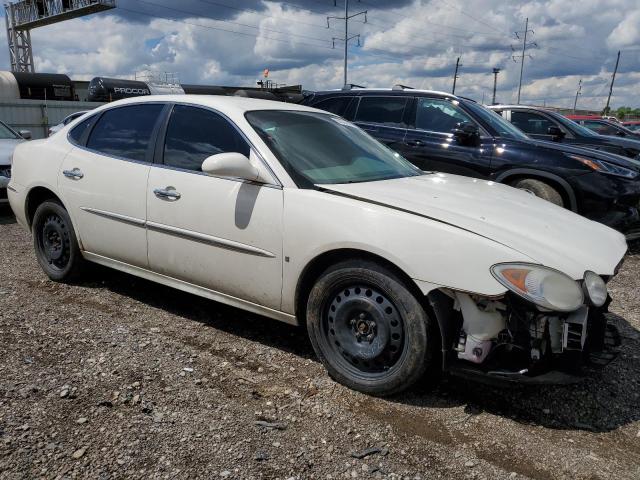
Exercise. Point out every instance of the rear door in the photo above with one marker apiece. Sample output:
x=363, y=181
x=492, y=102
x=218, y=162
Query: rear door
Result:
x=431, y=146
x=104, y=181
x=384, y=118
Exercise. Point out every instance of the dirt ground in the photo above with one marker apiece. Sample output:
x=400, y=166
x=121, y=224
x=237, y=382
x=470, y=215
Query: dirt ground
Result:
x=117, y=377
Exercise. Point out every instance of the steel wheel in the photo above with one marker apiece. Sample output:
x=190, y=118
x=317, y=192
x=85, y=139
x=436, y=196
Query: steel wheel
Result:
x=368, y=328
x=365, y=329
x=53, y=242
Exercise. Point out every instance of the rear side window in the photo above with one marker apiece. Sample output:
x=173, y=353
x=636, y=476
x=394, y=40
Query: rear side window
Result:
x=125, y=131
x=382, y=110
x=336, y=105
x=76, y=134
x=193, y=134
x=531, y=123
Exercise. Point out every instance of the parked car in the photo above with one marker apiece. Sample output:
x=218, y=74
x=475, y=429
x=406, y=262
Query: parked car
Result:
x=300, y=216
x=66, y=121
x=633, y=125
x=544, y=124
x=440, y=132
x=605, y=127
x=9, y=139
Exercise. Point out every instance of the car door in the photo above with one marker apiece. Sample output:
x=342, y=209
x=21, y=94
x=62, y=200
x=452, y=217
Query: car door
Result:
x=384, y=118
x=222, y=234
x=431, y=145
x=104, y=181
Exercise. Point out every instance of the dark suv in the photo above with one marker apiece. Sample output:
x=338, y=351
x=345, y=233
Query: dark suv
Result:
x=441, y=132
x=544, y=124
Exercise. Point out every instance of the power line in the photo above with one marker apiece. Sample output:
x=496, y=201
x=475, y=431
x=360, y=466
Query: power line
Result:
x=209, y=27
x=231, y=22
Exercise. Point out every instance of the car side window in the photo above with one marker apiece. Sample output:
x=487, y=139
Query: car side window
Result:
x=437, y=115
x=531, y=123
x=193, y=134
x=601, y=128
x=382, y=110
x=76, y=134
x=336, y=105
x=125, y=131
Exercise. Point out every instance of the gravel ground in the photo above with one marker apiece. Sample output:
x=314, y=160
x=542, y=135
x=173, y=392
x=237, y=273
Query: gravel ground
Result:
x=117, y=377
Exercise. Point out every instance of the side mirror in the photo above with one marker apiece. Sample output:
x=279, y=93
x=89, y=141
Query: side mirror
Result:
x=26, y=134
x=555, y=132
x=466, y=133
x=233, y=164
x=621, y=133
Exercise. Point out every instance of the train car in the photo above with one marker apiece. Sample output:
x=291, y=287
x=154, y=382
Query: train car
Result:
x=204, y=90
x=36, y=86
x=103, y=89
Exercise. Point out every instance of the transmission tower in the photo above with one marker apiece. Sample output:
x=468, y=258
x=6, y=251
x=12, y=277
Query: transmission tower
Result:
x=346, y=38
x=524, y=54
x=23, y=16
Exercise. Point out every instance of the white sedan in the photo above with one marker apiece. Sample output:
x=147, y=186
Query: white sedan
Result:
x=298, y=215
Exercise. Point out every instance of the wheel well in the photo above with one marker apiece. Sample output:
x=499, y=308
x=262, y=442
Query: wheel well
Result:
x=567, y=197
x=35, y=198
x=314, y=269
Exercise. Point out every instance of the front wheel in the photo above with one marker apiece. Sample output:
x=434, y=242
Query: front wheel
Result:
x=368, y=329
x=55, y=242
x=540, y=189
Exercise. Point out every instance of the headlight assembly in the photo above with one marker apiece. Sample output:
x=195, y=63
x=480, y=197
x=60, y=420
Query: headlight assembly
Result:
x=595, y=288
x=546, y=287
x=605, y=167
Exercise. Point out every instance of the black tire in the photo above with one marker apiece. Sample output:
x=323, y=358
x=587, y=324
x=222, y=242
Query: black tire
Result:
x=368, y=329
x=540, y=189
x=55, y=242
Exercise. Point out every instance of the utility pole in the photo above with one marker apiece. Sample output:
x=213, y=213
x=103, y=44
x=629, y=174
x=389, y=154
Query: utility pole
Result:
x=455, y=76
x=613, y=79
x=579, y=92
x=346, y=38
x=496, y=71
x=524, y=52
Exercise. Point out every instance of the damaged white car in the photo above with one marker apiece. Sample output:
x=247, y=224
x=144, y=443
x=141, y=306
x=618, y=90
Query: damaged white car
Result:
x=298, y=215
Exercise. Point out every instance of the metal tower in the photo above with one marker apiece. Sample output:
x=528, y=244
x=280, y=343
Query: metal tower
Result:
x=24, y=15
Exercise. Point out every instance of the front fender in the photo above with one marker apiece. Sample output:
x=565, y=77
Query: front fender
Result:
x=432, y=253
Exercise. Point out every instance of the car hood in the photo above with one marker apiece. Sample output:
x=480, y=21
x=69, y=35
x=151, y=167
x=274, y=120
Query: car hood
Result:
x=588, y=152
x=6, y=150
x=545, y=233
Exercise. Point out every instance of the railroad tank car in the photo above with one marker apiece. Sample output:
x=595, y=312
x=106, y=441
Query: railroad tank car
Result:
x=102, y=89
x=36, y=86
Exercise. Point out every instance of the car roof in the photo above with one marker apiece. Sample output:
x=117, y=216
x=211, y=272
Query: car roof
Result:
x=392, y=91
x=225, y=104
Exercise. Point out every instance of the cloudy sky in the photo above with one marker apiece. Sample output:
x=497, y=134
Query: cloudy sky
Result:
x=412, y=42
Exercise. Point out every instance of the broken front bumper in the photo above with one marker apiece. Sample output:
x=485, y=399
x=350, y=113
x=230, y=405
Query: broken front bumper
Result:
x=534, y=348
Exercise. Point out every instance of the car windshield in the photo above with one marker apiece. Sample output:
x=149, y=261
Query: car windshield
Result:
x=573, y=126
x=495, y=121
x=318, y=148
x=6, y=133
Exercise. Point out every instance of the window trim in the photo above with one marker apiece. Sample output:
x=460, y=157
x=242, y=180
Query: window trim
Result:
x=149, y=155
x=158, y=157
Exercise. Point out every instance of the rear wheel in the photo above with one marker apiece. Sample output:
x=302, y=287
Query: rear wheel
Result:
x=55, y=242
x=368, y=329
x=540, y=189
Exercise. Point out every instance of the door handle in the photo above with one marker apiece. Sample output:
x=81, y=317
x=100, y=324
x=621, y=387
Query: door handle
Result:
x=75, y=174
x=168, y=193
x=415, y=143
